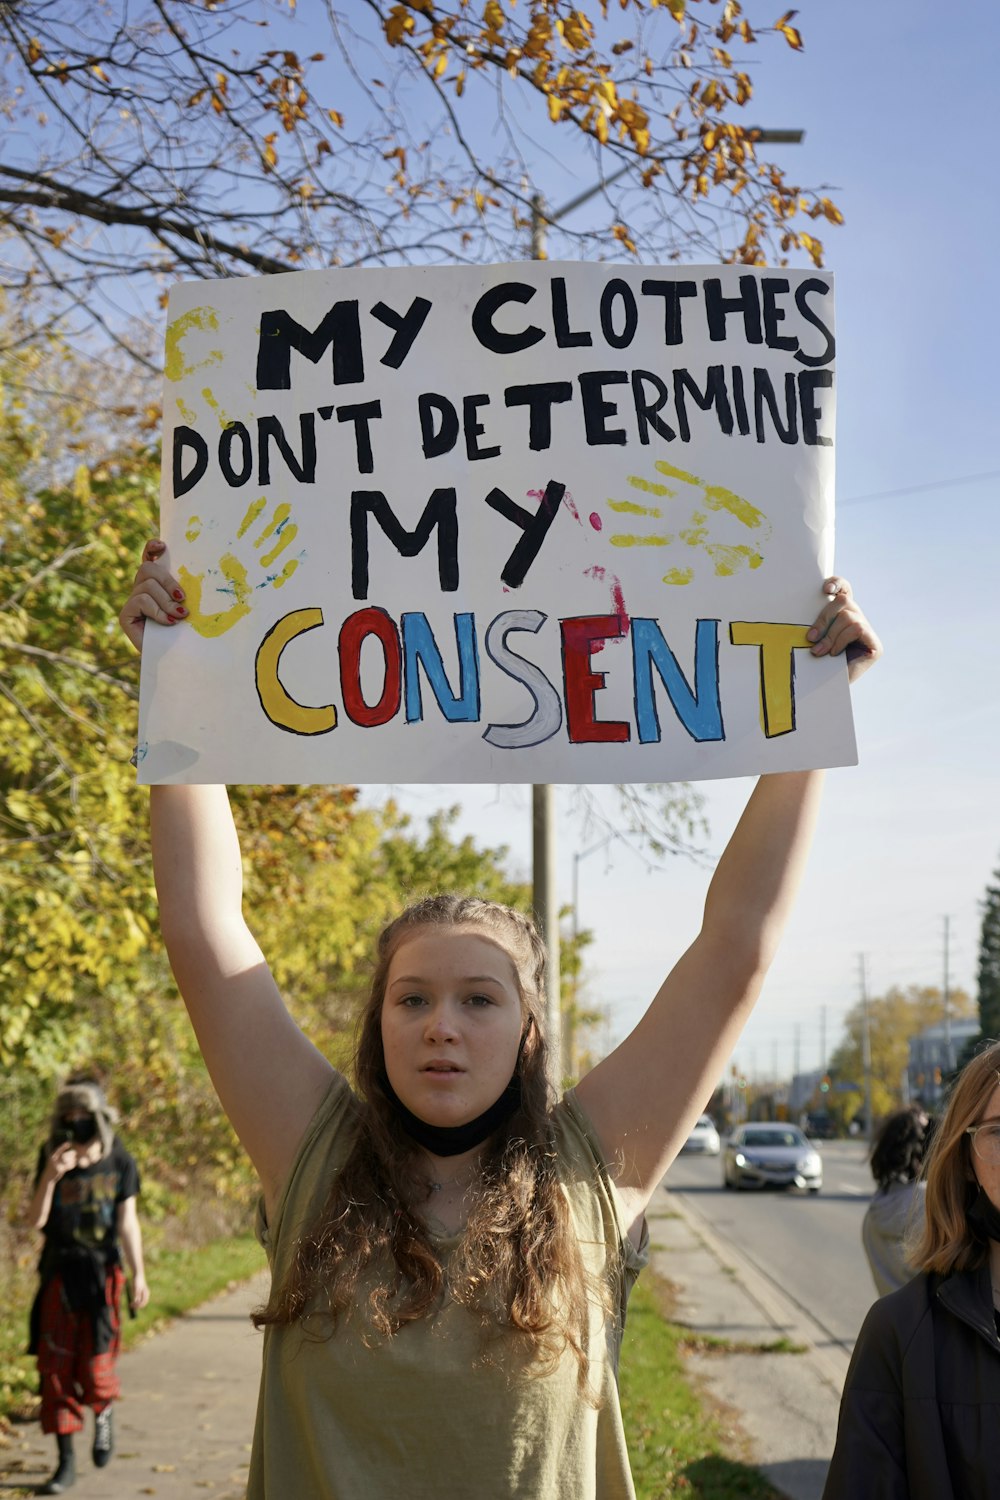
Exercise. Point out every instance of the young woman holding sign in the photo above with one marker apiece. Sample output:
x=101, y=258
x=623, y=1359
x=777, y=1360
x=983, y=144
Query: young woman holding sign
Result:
x=451, y=1250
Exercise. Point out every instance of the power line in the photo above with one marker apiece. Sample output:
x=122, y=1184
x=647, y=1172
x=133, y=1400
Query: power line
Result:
x=915, y=489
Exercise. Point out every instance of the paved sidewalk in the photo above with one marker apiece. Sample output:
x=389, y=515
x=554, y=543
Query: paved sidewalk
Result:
x=787, y=1404
x=185, y=1420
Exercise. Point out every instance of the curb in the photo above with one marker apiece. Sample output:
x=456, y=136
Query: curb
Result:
x=785, y=1402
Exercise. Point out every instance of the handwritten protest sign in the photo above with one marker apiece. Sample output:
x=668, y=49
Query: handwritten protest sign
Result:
x=532, y=522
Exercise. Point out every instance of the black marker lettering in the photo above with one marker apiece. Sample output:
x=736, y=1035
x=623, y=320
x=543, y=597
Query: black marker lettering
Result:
x=802, y=291
x=280, y=334
x=535, y=528
x=596, y=410
x=540, y=400
x=566, y=338
x=268, y=429
x=443, y=438
x=671, y=292
x=718, y=308
x=361, y=415
x=440, y=511
x=486, y=309
x=474, y=429
x=406, y=326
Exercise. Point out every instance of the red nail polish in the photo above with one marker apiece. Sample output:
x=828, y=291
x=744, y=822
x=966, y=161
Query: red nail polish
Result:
x=178, y=594
x=181, y=612
x=172, y=619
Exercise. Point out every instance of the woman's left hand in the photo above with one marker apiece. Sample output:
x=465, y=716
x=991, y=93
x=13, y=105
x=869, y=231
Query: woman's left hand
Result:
x=140, y=1292
x=840, y=626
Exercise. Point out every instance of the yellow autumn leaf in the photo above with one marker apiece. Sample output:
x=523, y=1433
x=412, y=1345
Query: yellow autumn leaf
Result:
x=336, y=117
x=576, y=31
x=397, y=24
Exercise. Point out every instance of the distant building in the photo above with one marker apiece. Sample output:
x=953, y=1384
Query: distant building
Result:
x=803, y=1087
x=933, y=1054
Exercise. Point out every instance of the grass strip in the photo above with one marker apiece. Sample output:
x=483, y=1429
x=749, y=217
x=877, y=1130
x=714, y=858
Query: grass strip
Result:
x=678, y=1446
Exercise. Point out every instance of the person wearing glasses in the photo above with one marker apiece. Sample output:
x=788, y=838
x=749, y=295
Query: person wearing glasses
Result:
x=920, y=1414
x=86, y=1185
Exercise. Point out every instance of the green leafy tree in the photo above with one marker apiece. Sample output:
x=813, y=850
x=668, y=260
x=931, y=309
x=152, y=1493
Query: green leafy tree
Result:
x=989, y=961
x=157, y=138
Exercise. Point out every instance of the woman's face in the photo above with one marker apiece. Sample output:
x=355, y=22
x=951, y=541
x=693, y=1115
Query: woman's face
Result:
x=451, y=1023
x=988, y=1172
x=78, y=1125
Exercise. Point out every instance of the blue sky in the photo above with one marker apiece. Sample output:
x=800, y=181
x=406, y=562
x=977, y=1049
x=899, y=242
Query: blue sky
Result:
x=892, y=98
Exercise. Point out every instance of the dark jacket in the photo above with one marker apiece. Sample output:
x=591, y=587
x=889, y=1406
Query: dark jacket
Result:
x=920, y=1415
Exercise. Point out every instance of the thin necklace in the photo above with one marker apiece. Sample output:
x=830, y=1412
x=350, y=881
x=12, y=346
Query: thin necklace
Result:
x=463, y=1179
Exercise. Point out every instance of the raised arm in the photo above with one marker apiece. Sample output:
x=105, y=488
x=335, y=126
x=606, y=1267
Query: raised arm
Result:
x=645, y=1096
x=268, y=1076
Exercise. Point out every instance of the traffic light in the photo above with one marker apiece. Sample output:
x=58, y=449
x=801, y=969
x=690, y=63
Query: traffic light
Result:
x=824, y=1087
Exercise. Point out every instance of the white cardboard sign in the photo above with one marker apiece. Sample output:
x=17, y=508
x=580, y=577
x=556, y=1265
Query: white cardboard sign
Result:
x=528, y=522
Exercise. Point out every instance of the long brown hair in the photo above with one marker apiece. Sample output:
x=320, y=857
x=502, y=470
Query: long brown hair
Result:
x=948, y=1242
x=519, y=1269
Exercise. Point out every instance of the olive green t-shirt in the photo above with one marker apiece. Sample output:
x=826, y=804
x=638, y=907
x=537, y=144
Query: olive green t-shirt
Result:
x=420, y=1416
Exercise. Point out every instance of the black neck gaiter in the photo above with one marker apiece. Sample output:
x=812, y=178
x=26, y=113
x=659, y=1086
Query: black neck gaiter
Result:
x=452, y=1140
x=984, y=1216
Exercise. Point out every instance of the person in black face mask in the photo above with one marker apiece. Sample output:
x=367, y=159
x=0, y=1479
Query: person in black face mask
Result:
x=86, y=1185
x=920, y=1415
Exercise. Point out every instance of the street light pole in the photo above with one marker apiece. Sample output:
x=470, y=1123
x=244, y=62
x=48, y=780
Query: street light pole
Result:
x=569, y=1030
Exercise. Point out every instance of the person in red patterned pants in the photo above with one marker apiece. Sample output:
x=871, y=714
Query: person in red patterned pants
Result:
x=86, y=1186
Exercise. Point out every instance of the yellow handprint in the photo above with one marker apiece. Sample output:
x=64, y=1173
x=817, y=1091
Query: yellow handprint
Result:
x=727, y=557
x=237, y=584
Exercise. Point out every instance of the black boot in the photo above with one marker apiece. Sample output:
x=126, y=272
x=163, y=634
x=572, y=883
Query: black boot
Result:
x=65, y=1475
x=104, y=1438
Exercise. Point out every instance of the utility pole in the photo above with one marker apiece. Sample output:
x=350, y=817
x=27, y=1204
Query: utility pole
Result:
x=866, y=1043
x=569, y=1029
x=543, y=865
x=822, y=1038
x=543, y=826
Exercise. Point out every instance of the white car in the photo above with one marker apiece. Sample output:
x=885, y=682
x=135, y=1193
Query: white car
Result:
x=704, y=1137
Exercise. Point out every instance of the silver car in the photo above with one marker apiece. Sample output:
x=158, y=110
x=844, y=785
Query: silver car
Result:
x=771, y=1155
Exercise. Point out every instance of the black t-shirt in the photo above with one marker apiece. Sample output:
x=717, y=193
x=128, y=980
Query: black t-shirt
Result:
x=84, y=1212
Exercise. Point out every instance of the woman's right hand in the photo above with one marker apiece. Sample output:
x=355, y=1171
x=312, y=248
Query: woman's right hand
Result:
x=63, y=1159
x=156, y=595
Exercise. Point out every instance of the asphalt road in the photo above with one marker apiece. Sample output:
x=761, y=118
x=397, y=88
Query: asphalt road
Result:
x=808, y=1245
